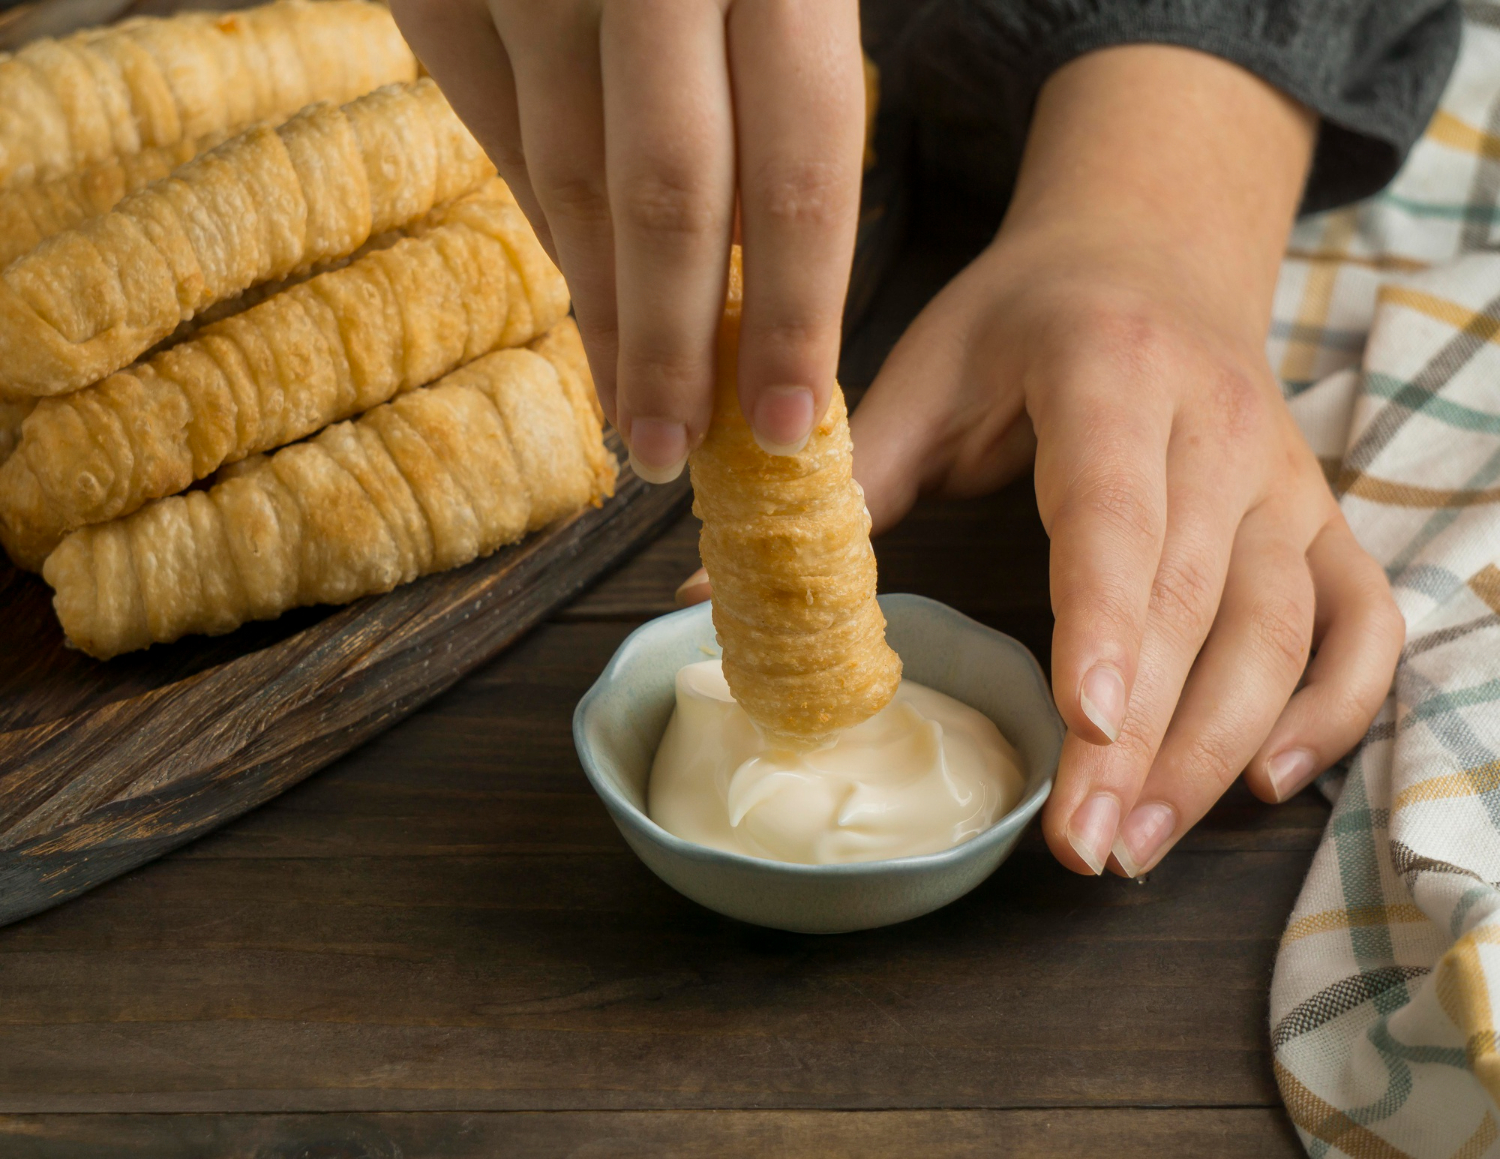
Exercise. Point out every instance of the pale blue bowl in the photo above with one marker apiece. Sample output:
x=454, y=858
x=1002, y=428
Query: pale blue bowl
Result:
x=620, y=722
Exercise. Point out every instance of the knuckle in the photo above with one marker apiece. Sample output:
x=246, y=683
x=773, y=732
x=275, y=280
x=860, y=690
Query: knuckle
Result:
x=807, y=333
x=1130, y=337
x=1135, y=748
x=1238, y=400
x=670, y=201
x=655, y=380
x=1208, y=761
x=1282, y=630
x=1120, y=499
x=582, y=200
x=508, y=157
x=1185, y=592
x=603, y=331
x=1350, y=708
x=1376, y=610
x=802, y=193
x=1388, y=621
x=1108, y=607
x=1385, y=632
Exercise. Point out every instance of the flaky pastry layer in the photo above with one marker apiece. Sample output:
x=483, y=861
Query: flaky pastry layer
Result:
x=259, y=207
x=105, y=93
x=472, y=279
x=429, y=481
x=786, y=543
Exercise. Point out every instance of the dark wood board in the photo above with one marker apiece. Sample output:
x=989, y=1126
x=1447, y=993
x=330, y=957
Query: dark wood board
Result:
x=104, y=766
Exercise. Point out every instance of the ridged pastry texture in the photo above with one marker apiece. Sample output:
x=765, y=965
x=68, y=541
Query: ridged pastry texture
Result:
x=12, y=415
x=152, y=83
x=786, y=543
x=471, y=280
x=430, y=481
x=32, y=213
x=259, y=207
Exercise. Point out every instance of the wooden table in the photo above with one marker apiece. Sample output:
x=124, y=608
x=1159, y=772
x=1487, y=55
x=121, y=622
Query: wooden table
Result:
x=440, y=946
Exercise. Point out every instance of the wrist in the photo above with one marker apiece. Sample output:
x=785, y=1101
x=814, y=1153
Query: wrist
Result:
x=1177, y=164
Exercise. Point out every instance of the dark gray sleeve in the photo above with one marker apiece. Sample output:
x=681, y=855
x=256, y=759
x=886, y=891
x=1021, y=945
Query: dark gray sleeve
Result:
x=1372, y=69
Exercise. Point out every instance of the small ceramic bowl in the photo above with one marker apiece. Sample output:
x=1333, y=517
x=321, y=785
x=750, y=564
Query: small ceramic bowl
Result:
x=620, y=722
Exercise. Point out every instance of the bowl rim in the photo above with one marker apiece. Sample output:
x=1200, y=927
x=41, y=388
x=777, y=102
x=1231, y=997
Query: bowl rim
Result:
x=627, y=812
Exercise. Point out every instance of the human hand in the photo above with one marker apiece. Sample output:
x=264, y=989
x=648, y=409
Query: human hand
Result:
x=1197, y=553
x=626, y=128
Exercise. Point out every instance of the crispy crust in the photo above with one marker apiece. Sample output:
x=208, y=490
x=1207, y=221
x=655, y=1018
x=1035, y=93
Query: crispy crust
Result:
x=260, y=207
x=103, y=94
x=786, y=543
x=473, y=279
x=432, y=480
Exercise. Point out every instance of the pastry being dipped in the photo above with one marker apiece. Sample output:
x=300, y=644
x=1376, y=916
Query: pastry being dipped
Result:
x=786, y=544
x=803, y=743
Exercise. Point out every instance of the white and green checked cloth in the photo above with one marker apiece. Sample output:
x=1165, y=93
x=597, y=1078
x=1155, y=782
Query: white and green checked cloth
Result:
x=1387, y=337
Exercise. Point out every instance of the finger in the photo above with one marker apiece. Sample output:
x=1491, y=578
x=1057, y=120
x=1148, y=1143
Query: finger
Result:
x=554, y=51
x=800, y=123
x=1101, y=488
x=944, y=414
x=1250, y=664
x=670, y=157
x=457, y=43
x=1097, y=785
x=1360, y=637
x=695, y=589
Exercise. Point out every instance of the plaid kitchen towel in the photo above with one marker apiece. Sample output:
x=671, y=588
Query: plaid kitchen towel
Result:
x=1386, y=996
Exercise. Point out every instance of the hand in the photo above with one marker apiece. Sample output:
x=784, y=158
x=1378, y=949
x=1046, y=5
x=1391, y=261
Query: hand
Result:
x=1197, y=553
x=626, y=128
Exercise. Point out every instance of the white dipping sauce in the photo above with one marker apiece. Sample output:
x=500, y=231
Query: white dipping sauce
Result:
x=921, y=775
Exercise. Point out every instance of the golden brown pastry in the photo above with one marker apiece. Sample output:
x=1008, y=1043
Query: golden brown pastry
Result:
x=29, y=214
x=430, y=481
x=257, y=294
x=786, y=543
x=257, y=208
x=106, y=93
x=473, y=279
x=563, y=347
x=12, y=414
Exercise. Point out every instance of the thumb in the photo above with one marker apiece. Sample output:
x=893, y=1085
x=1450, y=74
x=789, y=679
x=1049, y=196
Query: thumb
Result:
x=932, y=421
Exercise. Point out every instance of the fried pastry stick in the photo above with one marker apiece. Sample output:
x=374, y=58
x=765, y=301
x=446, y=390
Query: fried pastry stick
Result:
x=12, y=415
x=106, y=93
x=786, y=543
x=257, y=208
x=474, y=278
x=430, y=481
x=32, y=213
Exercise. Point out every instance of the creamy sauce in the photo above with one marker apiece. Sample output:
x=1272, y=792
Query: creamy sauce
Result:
x=921, y=775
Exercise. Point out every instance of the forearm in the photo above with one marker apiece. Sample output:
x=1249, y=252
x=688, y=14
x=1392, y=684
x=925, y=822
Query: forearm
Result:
x=1189, y=161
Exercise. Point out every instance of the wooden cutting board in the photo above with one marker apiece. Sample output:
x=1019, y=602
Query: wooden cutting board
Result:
x=104, y=766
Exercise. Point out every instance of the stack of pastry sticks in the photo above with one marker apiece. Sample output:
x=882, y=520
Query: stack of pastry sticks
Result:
x=216, y=373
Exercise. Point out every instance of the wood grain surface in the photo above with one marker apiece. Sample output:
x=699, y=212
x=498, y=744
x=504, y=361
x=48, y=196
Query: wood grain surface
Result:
x=445, y=923
x=1237, y=1133
x=104, y=766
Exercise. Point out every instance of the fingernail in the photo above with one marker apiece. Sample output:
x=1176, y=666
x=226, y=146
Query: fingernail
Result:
x=1102, y=698
x=658, y=449
x=1290, y=771
x=1142, y=834
x=1092, y=830
x=695, y=589
x=783, y=419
